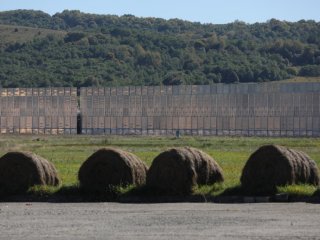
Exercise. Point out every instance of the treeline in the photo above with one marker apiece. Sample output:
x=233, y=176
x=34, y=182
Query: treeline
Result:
x=107, y=50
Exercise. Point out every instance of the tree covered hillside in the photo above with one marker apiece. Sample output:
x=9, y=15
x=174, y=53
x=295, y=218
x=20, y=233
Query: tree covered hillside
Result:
x=77, y=49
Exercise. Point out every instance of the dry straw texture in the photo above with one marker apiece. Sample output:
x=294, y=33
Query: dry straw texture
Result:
x=178, y=170
x=21, y=170
x=273, y=165
x=109, y=167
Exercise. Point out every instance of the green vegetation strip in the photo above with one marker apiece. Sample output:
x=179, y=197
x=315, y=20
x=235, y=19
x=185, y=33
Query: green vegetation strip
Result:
x=69, y=152
x=78, y=49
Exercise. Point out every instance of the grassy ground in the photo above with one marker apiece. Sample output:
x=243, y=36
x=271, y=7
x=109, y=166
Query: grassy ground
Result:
x=11, y=34
x=302, y=79
x=68, y=153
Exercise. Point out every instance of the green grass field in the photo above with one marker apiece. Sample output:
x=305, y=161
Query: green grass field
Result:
x=68, y=153
x=11, y=34
x=302, y=79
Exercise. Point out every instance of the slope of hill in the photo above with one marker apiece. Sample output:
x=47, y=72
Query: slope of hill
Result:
x=77, y=49
x=21, y=34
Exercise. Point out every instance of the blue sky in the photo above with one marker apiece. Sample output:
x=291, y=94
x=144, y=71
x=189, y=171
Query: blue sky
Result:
x=205, y=11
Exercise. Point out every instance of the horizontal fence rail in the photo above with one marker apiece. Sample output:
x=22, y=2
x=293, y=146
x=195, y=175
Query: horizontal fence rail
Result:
x=268, y=109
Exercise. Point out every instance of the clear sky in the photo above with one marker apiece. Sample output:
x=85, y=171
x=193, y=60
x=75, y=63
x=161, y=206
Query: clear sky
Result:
x=205, y=11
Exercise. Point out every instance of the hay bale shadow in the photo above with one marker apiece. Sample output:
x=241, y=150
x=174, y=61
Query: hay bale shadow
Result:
x=75, y=193
x=239, y=190
x=146, y=194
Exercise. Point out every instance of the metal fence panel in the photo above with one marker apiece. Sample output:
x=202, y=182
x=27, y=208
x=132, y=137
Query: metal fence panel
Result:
x=275, y=109
x=29, y=110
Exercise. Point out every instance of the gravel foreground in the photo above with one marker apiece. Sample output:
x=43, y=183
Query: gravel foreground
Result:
x=159, y=221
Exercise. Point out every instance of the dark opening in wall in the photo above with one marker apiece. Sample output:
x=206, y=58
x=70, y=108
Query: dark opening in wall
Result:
x=79, y=123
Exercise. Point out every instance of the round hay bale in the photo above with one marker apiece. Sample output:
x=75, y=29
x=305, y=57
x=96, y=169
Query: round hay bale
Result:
x=21, y=170
x=109, y=167
x=271, y=166
x=177, y=170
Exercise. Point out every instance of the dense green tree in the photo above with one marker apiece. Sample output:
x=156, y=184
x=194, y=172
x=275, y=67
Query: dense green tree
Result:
x=72, y=48
x=310, y=71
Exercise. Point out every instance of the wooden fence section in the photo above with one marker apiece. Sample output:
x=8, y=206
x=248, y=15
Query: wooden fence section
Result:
x=268, y=109
x=38, y=110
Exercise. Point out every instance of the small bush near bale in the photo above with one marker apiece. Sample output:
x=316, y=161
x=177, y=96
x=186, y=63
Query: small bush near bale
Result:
x=109, y=168
x=21, y=170
x=271, y=166
x=178, y=170
x=317, y=193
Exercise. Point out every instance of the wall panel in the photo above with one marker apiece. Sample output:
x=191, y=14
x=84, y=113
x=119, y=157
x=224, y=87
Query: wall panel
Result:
x=275, y=109
x=37, y=110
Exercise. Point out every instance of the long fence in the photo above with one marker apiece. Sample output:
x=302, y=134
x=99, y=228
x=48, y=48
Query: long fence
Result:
x=268, y=109
x=38, y=110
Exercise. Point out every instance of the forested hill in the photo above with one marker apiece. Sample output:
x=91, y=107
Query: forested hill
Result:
x=77, y=49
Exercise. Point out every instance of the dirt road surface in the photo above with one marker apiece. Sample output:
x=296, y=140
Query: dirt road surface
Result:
x=159, y=221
